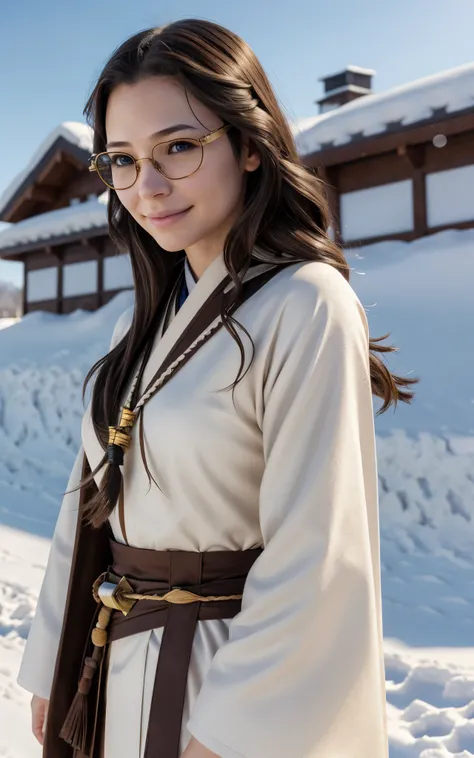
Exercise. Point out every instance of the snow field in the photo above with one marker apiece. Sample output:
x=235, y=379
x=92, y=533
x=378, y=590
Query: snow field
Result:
x=420, y=291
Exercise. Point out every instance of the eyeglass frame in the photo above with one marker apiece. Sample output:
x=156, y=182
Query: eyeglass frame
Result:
x=206, y=140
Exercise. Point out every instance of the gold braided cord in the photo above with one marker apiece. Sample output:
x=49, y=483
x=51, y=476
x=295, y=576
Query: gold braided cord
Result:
x=118, y=437
x=127, y=418
x=180, y=597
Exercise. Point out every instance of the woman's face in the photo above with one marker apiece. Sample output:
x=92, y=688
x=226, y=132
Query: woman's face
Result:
x=211, y=199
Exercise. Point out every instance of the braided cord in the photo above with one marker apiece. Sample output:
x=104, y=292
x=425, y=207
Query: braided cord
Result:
x=174, y=367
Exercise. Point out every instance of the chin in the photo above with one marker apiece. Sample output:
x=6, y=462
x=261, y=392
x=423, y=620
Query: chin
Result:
x=170, y=245
x=174, y=243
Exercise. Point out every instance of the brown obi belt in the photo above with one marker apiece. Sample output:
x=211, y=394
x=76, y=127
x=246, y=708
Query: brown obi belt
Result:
x=193, y=586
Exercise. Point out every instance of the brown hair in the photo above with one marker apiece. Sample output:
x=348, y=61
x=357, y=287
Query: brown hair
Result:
x=285, y=217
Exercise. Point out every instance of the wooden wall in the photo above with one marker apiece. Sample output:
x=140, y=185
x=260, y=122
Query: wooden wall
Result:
x=92, y=249
x=403, y=162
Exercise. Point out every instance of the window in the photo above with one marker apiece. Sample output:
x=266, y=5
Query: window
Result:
x=450, y=196
x=79, y=278
x=117, y=272
x=42, y=284
x=378, y=211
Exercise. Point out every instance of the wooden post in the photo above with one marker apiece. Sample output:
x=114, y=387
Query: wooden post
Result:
x=58, y=255
x=415, y=155
x=100, y=271
x=25, y=285
x=419, y=200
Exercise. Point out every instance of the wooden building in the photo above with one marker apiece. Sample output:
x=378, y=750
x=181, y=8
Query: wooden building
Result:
x=58, y=215
x=398, y=165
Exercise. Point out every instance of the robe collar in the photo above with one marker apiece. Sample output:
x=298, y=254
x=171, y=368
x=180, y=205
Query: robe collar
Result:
x=198, y=293
x=189, y=276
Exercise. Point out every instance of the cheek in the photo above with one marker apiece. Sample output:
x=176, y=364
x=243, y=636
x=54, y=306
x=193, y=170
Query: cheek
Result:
x=218, y=187
x=127, y=198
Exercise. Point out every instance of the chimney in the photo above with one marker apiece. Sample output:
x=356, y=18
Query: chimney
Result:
x=341, y=88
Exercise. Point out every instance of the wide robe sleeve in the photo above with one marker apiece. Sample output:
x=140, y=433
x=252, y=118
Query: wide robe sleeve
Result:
x=39, y=658
x=302, y=674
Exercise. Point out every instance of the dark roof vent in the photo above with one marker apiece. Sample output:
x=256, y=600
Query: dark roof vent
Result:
x=348, y=85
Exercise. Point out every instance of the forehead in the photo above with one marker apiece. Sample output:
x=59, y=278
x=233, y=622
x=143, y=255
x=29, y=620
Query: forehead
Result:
x=135, y=111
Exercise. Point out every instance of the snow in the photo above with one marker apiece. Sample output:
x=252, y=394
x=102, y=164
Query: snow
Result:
x=346, y=88
x=75, y=132
x=407, y=104
x=352, y=69
x=4, y=322
x=422, y=291
x=71, y=220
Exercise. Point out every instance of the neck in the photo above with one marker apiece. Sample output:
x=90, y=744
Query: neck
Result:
x=199, y=261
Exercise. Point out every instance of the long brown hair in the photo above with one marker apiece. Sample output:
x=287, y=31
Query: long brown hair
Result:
x=285, y=216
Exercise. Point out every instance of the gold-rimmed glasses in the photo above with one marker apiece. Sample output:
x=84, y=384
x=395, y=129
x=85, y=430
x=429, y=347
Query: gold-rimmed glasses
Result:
x=175, y=159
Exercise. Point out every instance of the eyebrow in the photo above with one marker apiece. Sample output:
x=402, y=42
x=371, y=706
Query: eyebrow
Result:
x=156, y=135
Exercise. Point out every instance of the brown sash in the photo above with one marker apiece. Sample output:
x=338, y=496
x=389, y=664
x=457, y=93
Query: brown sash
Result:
x=155, y=572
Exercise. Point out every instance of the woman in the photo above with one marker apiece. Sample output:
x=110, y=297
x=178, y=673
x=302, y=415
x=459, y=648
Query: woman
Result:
x=258, y=435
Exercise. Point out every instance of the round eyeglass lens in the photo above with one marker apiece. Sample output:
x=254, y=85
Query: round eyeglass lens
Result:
x=179, y=158
x=118, y=170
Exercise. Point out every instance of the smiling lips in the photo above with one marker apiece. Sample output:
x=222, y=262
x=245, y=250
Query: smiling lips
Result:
x=169, y=218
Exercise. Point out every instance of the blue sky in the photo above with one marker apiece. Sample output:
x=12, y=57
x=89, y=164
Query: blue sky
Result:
x=52, y=51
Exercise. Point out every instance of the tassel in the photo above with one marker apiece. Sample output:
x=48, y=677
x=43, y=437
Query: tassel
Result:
x=113, y=483
x=74, y=730
x=119, y=442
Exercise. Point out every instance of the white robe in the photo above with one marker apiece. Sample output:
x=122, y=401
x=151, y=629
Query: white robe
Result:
x=299, y=672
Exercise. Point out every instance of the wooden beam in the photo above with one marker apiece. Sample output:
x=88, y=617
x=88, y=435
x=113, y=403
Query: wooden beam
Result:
x=388, y=141
x=419, y=202
x=414, y=155
x=25, y=286
x=62, y=240
x=408, y=236
x=57, y=154
x=39, y=194
x=100, y=281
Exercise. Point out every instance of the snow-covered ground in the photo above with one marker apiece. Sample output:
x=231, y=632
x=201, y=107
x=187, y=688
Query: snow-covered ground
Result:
x=422, y=293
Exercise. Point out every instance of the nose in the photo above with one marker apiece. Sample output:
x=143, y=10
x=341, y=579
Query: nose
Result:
x=150, y=182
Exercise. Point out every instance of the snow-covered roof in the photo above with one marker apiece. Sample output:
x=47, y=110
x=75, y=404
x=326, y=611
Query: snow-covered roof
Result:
x=451, y=91
x=59, y=223
x=72, y=131
x=344, y=88
x=352, y=69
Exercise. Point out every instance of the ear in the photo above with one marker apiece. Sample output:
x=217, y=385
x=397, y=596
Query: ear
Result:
x=250, y=157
